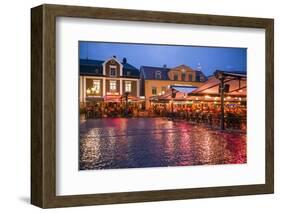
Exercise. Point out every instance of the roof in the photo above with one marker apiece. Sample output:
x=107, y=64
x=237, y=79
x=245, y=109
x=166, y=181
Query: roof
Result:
x=211, y=87
x=184, y=89
x=91, y=62
x=181, y=93
x=130, y=70
x=95, y=67
x=199, y=72
x=182, y=66
x=242, y=74
x=149, y=72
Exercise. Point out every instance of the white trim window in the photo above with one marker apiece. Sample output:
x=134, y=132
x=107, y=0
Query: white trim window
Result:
x=112, y=85
x=96, y=86
x=113, y=71
x=128, y=86
x=158, y=74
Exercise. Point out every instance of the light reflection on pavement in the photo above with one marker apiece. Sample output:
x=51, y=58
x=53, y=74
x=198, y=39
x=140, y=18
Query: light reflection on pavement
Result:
x=112, y=143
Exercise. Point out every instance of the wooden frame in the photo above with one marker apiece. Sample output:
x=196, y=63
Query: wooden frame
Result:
x=43, y=106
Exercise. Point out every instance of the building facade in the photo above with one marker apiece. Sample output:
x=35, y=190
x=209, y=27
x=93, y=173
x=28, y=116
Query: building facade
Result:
x=156, y=80
x=107, y=80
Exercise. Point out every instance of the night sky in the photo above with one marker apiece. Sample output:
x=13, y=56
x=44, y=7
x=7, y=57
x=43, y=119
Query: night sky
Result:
x=208, y=58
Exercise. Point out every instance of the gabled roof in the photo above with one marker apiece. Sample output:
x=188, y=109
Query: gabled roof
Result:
x=95, y=67
x=149, y=72
x=182, y=66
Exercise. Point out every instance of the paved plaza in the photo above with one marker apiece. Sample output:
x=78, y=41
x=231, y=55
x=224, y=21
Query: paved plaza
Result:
x=112, y=143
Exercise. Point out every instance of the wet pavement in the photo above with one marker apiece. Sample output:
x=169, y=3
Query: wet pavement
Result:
x=112, y=143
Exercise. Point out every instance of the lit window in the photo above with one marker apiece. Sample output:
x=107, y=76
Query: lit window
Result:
x=96, y=86
x=128, y=86
x=158, y=74
x=154, y=91
x=112, y=85
x=163, y=90
x=112, y=71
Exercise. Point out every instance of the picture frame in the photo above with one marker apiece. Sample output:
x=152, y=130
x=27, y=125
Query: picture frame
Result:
x=43, y=105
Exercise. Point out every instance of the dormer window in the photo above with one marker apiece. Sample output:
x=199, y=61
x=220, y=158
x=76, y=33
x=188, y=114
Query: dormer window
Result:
x=158, y=74
x=190, y=77
x=183, y=76
x=112, y=71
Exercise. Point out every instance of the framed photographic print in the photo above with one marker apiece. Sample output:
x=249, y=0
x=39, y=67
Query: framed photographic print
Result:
x=136, y=106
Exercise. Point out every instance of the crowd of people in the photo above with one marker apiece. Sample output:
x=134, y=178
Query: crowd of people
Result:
x=99, y=110
x=234, y=114
x=210, y=114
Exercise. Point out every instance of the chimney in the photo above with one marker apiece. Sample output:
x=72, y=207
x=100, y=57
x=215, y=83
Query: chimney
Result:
x=114, y=56
x=165, y=65
x=124, y=60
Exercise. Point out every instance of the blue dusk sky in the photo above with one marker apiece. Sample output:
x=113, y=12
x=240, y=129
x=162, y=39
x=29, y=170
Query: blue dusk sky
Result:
x=209, y=59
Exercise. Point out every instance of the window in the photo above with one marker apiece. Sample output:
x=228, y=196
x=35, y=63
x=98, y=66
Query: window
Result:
x=96, y=86
x=128, y=73
x=128, y=86
x=190, y=77
x=183, y=76
x=163, y=90
x=198, y=78
x=176, y=77
x=158, y=74
x=112, y=85
x=154, y=91
x=112, y=71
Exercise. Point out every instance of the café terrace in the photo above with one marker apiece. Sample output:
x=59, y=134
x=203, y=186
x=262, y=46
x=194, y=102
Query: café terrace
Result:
x=222, y=96
x=220, y=101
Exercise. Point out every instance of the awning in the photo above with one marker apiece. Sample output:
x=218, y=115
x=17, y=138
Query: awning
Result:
x=112, y=98
x=184, y=89
x=211, y=87
x=131, y=98
x=93, y=98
